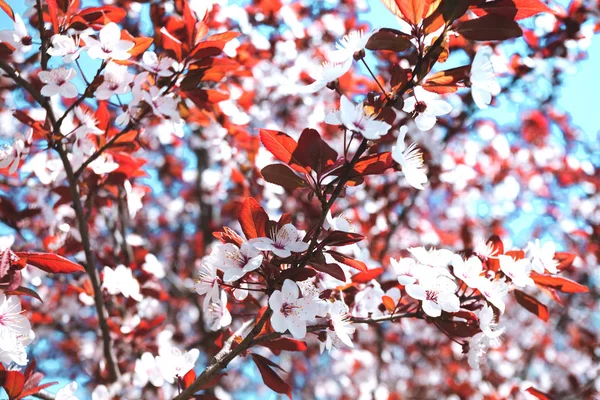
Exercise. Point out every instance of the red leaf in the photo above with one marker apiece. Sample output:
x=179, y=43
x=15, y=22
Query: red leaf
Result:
x=229, y=236
x=313, y=153
x=362, y=277
x=490, y=27
x=282, y=146
x=389, y=303
x=283, y=176
x=565, y=260
x=270, y=377
x=102, y=15
x=539, y=394
x=559, y=283
x=36, y=389
x=373, y=164
x=170, y=42
x=23, y=291
x=513, y=9
x=412, y=10
x=253, y=219
x=339, y=238
x=330, y=269
x=50, y=262
x=4, y=6
x=389, y=39
x=284, y=344
x=447, y=81
x=359, y=265
x=12, y=382
x=53, y=11
x=298, y=274
x=532, y=305
x=189, y=378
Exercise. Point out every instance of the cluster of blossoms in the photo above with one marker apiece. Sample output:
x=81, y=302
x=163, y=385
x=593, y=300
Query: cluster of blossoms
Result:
x=122, y=186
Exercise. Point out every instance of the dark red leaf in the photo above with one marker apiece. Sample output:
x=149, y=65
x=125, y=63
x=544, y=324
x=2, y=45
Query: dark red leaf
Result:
x=330, y=269
x=313, y=153
x=253, y=219
x=298, y=274
x=270, y=377
x=513, y=9
x=282, y=146
x=565, y=260
x=490, y=27
x=447, y=81
x=53, y=11
x=532, y=305
x=23, y=291
x=359, y=265
x=559, y=283
x=50, y=262
x=539, y=394
x=389, y=39
x=102, y=15
x=339, y=238
x=283, y=176
x=284, y=344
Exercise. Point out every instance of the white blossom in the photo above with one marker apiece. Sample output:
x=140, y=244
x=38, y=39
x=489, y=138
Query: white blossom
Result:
x=323, y=74
x=353, y=117
x=542, y=256
x=426, y=106
x=517, y=270
x=235, y=262
x=350, y=44
x=483, y=78
x=290, y=311
x=116, y=81
x=468, y=270
x=437, y=293
x=282, y=242
x=57, y=81
x=146, y=370
x=109, y=45
x=121, y=280
x=66, y=47
x=174, y=364
x=411, y=161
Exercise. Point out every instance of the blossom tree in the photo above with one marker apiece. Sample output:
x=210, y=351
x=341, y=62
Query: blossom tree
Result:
x=199, y=198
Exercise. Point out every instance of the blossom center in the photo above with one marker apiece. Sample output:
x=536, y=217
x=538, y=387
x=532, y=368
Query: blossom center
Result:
x=431, y=295
x=420, y=106
x=288, y=309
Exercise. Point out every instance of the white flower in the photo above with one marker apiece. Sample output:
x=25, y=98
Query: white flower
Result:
x=67, y=392
x=153, y=266
x=517, y=270
x=483, y=79
x=542, y=257
x=11, y=155
x=478, y=346
x=163, y=105
x=432, y=257
x=437, y=292
x=487, y=324
x=159, y=66
x=353, y=117
x=350, y=44
x=57, y=82
x=88, y=124
x=146, y=370
x=12, y=346
x=411, y=161
x=19, y=38
x=66, y=47
x=406, y=269
x=427, y=106
x=173, y=363
x=290, y=311
x=467, y=271
x=121, y=280
x=116, y=81
x=101, y=393
x=104, y=164
x=342, y=324
x=285, y=241
x=110, y=44
x=325, y=73
x=208, y=282
x=235, y=262
x=339, y=223
x=494, y=291
x=485, y=249
x=367, y=301
x=217, y=316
